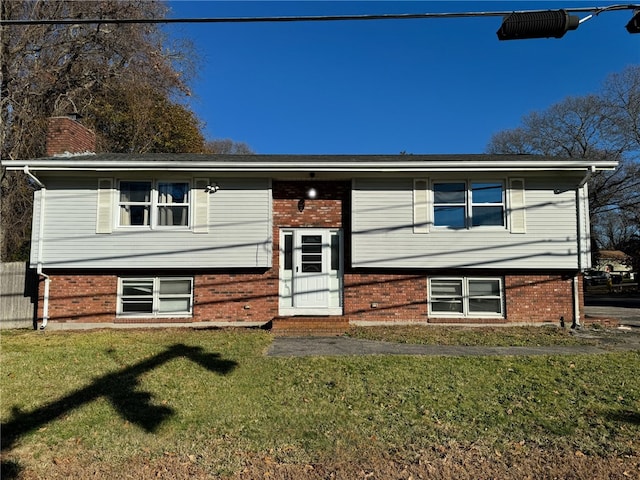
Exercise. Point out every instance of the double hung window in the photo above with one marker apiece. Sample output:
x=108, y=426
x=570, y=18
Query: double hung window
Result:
x=468, y=204
x=163, y=204
x=466, y=297
x=157, y=296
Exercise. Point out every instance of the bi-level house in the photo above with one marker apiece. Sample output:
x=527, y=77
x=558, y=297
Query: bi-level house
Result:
x=246, y=239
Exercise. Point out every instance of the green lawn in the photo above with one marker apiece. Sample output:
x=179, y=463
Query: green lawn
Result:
x=210, y=400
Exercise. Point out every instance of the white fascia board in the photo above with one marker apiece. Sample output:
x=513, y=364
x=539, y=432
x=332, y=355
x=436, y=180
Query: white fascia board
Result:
x=417, y=166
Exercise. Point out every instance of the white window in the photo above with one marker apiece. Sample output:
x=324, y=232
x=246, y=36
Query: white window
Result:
x=466, y=297
x=462, y=204
x=155, y=297
x=145, y=204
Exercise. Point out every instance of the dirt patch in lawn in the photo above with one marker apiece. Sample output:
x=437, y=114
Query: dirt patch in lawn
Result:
x=434, y=464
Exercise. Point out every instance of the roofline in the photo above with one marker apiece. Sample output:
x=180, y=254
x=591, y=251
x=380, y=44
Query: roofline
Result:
x=307, y=163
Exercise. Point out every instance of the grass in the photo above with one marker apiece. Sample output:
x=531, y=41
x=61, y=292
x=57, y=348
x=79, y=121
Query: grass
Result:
x=210, y=403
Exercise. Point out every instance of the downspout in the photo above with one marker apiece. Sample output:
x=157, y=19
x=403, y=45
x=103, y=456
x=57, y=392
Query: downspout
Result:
x=580, y=224
x=47, y=280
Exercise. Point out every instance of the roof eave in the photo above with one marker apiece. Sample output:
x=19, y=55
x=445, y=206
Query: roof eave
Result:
x=329, y=167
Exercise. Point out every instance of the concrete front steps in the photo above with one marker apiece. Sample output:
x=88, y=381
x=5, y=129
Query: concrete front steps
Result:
x=309, y=326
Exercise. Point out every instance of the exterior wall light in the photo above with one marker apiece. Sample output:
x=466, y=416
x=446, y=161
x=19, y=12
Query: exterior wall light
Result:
x=521, y=25
x=311, y=193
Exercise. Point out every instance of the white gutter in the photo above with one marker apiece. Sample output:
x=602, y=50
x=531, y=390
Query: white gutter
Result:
x=47, y=279
x=308, y=163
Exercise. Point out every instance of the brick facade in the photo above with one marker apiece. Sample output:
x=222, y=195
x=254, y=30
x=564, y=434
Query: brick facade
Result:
x=252, y=296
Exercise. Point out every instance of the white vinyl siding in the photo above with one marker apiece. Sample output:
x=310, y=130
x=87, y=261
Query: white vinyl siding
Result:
x=238, y=218
x=383, y=232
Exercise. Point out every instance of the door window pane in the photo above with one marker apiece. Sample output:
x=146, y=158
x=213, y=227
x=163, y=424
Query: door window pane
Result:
x=288, y=251
x=335, y=252
x=311, y=257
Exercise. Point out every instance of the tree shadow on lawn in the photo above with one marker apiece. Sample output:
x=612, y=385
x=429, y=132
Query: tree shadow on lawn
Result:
x=120, y=388
x=625, y=416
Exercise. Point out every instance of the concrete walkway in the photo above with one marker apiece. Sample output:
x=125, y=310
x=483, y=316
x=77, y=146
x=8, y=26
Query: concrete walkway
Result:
x=607, y=341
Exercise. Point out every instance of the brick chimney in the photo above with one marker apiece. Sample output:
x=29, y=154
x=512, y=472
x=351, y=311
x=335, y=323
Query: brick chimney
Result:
x=65, y=136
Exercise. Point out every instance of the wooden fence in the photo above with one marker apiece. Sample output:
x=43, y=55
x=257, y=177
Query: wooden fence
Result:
x=18, y=295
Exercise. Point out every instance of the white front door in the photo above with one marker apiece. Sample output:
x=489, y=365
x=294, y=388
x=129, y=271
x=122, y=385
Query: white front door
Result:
x=311, y=272
x=311, y=269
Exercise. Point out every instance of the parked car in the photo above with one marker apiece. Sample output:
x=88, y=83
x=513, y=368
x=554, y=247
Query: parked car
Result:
x=596, y=277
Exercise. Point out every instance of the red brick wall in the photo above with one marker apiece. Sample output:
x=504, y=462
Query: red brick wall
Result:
x=66, y=135
x=253, y=296
x=540, y=298
x=385, y=297
x=81, y=298
x=240, y=297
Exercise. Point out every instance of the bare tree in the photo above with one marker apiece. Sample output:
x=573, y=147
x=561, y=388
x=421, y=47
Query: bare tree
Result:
x=111, y=74
x=227, y=146
x=597, y=126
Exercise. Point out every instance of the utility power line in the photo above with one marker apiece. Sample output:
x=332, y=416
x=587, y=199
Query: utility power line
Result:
x=319, y=18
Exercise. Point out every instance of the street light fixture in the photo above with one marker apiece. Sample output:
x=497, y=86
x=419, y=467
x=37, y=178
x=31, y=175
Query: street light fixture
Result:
x=552, y=23
x=634, y=24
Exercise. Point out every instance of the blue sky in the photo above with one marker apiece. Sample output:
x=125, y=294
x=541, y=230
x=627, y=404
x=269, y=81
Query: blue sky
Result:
x=386, y=86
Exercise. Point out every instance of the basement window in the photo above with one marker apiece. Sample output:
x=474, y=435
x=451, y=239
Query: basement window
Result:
x=155, y=297
x=466, y=297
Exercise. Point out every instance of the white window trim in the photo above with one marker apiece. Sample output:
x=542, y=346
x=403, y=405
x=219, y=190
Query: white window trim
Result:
x=465, y=299
x=154, y=205
x=469, y=204
x=156, y=299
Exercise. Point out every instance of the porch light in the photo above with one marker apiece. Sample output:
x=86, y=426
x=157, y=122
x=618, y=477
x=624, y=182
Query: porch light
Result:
x=311, y=193
x=553, y=23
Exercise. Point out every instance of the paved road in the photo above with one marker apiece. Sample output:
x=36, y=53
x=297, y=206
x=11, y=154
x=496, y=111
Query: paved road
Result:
x=625, y=309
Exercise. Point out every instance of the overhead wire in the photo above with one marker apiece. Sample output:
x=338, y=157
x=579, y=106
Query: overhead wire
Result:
x=316, y=18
